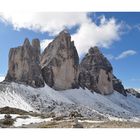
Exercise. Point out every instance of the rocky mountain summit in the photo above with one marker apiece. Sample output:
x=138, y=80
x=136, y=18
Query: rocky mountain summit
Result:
x=24, y=64
x=58, y=66
x=59, y=63
x=95, y=72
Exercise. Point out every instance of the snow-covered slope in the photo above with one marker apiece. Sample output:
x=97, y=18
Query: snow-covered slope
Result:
x=8, y=97
x=138, y=90
x=63, y=102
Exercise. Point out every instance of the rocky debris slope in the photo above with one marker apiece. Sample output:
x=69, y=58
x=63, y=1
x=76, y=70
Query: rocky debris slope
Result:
x=118, y=86
x=24, y=64
x=59, y=63
x=95, y=72
x=63, y=103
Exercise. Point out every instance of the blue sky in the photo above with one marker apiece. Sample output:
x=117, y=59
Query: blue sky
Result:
x=123, y=36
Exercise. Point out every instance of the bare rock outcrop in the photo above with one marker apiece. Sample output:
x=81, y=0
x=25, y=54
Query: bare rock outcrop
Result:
x=118, y=86
x=24, y=64
x=133, y=92
x=59, y=63
x=95, y=72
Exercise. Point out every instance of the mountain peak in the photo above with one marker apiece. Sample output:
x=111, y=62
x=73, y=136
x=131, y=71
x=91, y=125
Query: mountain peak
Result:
x=96, y=72
x=64, y=32
x=26, y=42
x=59, y=58
x=36, y=42
x=94, y=50
x=24, y=64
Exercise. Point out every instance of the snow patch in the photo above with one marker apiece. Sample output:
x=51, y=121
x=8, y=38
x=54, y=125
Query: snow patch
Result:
x=90, y=121
x=30, y=120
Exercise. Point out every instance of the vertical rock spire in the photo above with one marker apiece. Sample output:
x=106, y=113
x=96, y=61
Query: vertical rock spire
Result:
x=24, y=64
x=60, y=62
x=95, y=72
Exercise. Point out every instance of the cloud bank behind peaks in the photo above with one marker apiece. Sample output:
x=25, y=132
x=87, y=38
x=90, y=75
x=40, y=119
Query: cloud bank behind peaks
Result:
x=52, y=22
x=103, y=35
x=88, y=33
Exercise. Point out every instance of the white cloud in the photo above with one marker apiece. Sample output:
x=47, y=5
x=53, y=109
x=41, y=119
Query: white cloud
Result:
x=2, y=78
x=51, y=22
x=102, y=35
x=88, y=34
x=121, y=56
x=137, y=26
x=135, y=79
x=125, y=54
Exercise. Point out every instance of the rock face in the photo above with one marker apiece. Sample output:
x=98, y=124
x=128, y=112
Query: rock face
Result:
x=24, y=64
x=133, y=92
x=117, y=85
x=95, y=72
x=59, y=63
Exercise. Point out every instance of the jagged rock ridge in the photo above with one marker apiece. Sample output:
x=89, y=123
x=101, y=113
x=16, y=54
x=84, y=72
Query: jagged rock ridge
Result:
x=133, y=92
x=24, y=64
x=59, y=63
